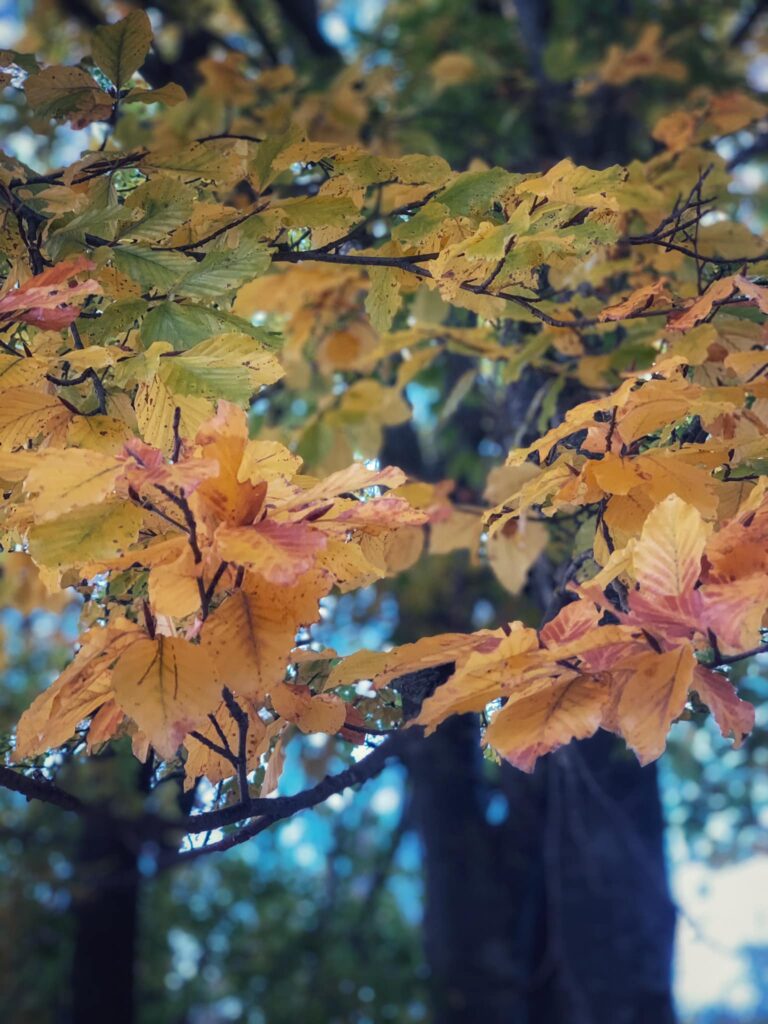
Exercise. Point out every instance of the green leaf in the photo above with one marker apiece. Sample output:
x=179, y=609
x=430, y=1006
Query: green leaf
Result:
x=185, y=324
x=422, y=224
x=25, y=61
x=474, y=192
x=208, y=160
x=103, y=221
x=383, y=299
x=152, y=268
x=120, y=49
x=261, y=166
x=165, y=204
x=68, y=93
x=319, y=211
x=114, y=323
x=223, y=271
x=169, y=94
x=231, y=366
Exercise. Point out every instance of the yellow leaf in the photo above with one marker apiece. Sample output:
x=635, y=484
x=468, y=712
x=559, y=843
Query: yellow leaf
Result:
x=347, y=564
x=201, y=760
x=513, y=549
x=250, y=635
x=105, y=434
x=482, y=674
x=167, y=686
x=95, y=533
x=25, y=413
x=381, y=667
x=156, y=407
x=174, y=586
x=383, y=300
x=267, y=460
x=324, y=712
x=452, y=68
x=80, y=689
x=66, y=479
x=459, y=530
x=346, y=481
x=667, y=557
x=393, y=551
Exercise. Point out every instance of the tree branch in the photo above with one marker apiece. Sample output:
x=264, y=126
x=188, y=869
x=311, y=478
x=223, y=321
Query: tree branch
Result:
x=39, y=789
x=280, y=807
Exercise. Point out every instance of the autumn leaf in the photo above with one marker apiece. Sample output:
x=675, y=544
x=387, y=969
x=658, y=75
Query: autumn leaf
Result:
x=202, y=760
x=734, y=717
x=280, y=552
x=167, y=686
x=536, y=723
x=66, y=93
x=698, y=310
x=654, y=689
x=82, y=687
x=45, y=300
x=250, y=635
x=667, y=558
x=641, y=300
x=322, y=712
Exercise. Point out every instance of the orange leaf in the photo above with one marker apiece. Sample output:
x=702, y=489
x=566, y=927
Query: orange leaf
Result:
x=654, y=691
x=251, y=634
x=715, y=295
x=554, y=714
x=639, y=301
x=324, y=712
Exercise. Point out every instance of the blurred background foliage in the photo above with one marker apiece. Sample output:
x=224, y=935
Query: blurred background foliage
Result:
x=318, y=920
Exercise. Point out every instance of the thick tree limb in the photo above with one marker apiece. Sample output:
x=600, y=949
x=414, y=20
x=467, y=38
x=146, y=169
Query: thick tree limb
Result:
x=40, y=789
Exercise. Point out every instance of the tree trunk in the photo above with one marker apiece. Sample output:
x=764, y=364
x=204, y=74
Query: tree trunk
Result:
x=469, y=919
x=560, y=912
x=106, y=913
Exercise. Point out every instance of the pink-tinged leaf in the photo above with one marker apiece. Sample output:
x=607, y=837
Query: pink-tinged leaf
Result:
x=538, y=722
x=734, y=716
x=571, y=622
x=388, y=513
x=667, y=558
x=280, y=552
x=673, y=617
x=734, y=611
x=146, y=466
x=44, y=300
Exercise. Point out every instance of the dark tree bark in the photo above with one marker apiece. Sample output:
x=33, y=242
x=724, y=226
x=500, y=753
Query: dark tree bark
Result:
x=560, y=912
x=106, y=917
x=470, y=921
